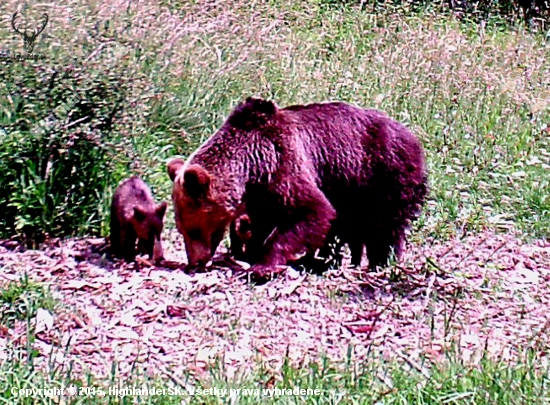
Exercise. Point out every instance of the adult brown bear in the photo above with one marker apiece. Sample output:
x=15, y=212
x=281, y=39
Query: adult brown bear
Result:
x=302, y=172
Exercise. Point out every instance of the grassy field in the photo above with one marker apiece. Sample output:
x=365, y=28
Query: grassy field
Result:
x=158, y=78
x=476, y=95
x=373, y=383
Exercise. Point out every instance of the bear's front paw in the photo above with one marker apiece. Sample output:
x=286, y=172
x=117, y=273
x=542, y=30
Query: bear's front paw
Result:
x=192, y=270
x=261, y=273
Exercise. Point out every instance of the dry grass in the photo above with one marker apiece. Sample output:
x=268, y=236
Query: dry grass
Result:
x=476, y=95
x=484, y=296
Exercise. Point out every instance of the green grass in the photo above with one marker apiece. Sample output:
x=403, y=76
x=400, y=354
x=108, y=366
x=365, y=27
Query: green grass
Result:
x=21, y=300
x=523, y=381
x=476, y=95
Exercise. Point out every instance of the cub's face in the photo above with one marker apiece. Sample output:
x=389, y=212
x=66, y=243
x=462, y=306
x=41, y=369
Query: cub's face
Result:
x=148, y=225
x=199, y=217
x=243, y=229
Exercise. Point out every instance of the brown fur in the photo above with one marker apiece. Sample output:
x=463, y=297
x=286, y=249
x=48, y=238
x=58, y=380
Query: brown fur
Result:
x=135, y=216
x=304, y=173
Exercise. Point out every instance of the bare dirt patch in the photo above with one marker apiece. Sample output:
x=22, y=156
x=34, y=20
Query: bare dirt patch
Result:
x=484, y=293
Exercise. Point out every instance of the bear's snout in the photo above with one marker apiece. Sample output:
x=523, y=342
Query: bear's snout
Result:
x=199, y=254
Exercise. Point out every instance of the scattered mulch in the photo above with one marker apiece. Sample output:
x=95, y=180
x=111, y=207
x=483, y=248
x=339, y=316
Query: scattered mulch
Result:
x=484, y=293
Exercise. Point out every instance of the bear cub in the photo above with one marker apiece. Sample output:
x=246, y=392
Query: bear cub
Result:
x=243, y=249
x=240, y=236
x=136, y=216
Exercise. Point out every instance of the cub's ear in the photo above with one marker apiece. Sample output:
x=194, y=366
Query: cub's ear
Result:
x=173, y=167
x=161, y=209
x=196, y=181
x=139, y=213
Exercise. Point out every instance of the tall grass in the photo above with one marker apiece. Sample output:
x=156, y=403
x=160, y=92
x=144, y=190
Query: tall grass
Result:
x=476, y=94
x=374, y=382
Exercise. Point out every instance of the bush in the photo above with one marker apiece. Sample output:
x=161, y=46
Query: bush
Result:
x=88, y=114
x=61, y=149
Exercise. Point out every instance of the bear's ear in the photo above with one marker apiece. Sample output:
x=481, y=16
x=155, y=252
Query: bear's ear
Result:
x=161, y=209
x=196, y=181
x=139, y=213
x=260, y=105
x=173, y=167
x=252, y=114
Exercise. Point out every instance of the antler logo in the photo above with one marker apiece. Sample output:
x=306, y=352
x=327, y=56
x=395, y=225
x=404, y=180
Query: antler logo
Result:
x=29, y=39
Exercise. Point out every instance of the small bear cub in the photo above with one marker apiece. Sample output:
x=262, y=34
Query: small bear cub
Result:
x=136, y=216
x=240, y=235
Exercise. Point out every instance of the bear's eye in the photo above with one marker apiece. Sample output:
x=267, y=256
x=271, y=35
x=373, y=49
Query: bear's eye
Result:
x=194, y=234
